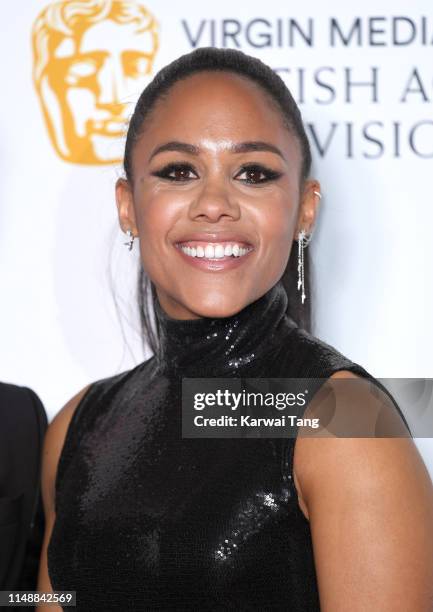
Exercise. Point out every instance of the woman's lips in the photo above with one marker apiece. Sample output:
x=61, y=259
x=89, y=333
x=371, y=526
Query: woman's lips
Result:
x=203, y=243
x=215, y=264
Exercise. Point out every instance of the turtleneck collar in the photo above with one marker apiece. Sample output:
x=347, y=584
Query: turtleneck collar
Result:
x=221, y=346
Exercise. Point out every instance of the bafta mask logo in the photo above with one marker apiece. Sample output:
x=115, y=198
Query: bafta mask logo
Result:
x=91, y=60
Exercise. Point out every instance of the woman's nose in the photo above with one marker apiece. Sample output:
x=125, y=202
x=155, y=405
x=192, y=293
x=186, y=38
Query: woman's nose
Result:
x=213, y=201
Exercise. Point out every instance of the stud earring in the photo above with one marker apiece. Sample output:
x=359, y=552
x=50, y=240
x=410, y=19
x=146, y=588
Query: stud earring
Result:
x=130, y=243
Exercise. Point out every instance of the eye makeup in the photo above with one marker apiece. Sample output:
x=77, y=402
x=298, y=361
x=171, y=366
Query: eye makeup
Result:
x=169, y=171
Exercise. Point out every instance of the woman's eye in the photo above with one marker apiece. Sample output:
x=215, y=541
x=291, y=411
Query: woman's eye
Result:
x=254, y=173
x=258, y=174
x=176, y=172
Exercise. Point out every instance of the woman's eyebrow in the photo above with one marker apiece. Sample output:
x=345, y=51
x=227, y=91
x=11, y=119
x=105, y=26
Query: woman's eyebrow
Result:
x=240, y=147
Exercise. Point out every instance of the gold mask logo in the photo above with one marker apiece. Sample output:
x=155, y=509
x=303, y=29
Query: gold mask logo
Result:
x=91, y=60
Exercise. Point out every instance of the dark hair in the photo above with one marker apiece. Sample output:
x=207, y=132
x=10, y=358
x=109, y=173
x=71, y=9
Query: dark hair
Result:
x=228, y=60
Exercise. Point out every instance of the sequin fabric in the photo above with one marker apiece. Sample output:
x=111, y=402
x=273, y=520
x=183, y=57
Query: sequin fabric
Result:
x=147, y=520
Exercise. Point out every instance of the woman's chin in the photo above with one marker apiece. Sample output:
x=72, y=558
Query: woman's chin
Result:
x=193, y=301
x=219, y=307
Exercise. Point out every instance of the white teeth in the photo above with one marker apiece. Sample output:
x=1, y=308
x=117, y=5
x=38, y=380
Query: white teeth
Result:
x=219, y=251
x=215, y=251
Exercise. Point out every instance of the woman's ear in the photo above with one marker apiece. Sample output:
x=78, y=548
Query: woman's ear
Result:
x=125, y=206
x=309, y=205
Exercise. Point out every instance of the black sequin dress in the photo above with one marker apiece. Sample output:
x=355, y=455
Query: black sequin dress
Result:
x=148, y=520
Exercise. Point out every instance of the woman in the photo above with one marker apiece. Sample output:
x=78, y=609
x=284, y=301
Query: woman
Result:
x=140, y=518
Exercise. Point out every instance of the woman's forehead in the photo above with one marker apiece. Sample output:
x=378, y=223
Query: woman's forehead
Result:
x=219, y=92
x=215, y=110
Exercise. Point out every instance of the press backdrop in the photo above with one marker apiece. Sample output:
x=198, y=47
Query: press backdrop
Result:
x=72, y=72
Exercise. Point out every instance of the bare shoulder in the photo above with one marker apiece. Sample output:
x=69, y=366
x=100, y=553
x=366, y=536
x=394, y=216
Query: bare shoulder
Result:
x=60, y=423
x=369, y=501
x=344, y=374
x=323, y=462
x=53, y=444
x=305, y=455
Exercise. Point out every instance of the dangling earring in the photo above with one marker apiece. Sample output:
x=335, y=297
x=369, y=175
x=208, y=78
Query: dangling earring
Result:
x=304, y=240
x=131, y=239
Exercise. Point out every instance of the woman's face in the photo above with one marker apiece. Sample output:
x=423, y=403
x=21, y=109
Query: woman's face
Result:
x=199, y=184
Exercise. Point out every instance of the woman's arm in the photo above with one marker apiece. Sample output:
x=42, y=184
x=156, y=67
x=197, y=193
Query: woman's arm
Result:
x=370, y=506
x=53, y=444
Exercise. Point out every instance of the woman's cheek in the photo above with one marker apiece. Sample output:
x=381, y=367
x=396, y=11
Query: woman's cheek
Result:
x=276, y=236
x=156, y=217
x=275, y=218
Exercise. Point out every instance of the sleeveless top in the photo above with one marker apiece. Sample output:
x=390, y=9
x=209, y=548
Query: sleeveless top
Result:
x=148, y=520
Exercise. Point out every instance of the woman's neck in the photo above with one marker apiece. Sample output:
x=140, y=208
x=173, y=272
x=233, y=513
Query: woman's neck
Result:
x=222, y=346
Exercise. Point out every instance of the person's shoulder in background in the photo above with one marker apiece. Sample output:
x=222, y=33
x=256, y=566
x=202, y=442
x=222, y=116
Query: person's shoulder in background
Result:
x=23, y=423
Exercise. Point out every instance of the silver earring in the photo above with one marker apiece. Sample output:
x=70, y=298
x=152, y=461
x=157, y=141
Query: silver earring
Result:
x=303, y=241
x=130, y=243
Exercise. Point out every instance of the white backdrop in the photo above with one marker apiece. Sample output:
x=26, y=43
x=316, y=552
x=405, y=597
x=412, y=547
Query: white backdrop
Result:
x=372, y=146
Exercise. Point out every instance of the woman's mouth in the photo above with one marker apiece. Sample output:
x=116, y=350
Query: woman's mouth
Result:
x=214, y=255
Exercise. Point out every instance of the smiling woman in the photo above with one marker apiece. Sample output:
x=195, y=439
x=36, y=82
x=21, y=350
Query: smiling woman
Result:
x=217, y=189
